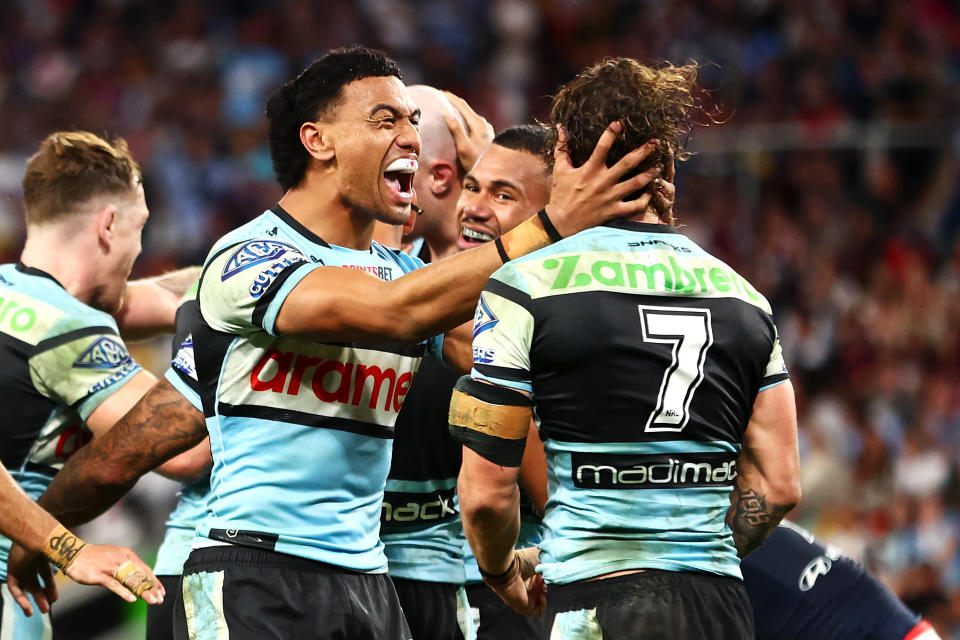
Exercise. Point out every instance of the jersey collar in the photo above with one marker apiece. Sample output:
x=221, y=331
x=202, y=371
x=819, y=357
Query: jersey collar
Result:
x=644, y=227
x=32, y=271
x=296, y=226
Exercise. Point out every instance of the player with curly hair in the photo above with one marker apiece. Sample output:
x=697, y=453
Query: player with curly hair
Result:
x=656, y=376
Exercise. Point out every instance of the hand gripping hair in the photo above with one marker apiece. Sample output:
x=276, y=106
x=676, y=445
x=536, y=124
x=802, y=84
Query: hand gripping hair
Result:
x=491, y=420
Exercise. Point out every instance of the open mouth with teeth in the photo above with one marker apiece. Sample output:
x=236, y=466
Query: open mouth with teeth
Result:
x=472, y=237
x=398, y=177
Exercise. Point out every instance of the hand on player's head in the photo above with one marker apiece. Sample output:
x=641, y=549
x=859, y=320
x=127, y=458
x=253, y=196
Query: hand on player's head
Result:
x=589, y=195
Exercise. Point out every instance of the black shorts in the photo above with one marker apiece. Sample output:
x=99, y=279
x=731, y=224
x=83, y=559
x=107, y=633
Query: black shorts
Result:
x=651, y=605
x=160, y=617
x=497, y=621
x=259, y=595
x=430, y=608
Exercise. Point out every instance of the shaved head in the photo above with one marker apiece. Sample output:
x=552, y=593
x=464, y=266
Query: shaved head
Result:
x=436, y=138
x=438, y=180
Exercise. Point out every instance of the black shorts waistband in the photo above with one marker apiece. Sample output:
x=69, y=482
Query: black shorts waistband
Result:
x=592, y=593
x=225, y=556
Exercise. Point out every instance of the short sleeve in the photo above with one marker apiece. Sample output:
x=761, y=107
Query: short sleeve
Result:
x=244, y=285
x=82, y=368
x=502, y=335
x=776, y=371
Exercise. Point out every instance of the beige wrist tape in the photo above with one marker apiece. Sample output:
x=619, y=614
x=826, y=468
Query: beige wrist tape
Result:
x=62, y=546
x=526, y=237
x=502, y=421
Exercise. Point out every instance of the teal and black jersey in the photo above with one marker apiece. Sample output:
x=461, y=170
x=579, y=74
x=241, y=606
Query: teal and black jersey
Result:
x=192, y=499
x=300, y=430
x=59, y=360
x=420, y=522
x=644, y=355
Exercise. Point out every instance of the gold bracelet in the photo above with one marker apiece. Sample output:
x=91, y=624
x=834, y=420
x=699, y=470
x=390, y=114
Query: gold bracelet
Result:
x=62, y=547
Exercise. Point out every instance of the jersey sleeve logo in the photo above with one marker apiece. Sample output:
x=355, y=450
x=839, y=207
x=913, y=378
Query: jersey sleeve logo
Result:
x=258, y=252
x=184, y=360
x=483, y=319
x=105, y=353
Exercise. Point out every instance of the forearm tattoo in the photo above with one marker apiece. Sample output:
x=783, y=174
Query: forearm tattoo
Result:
x=161, y=425
x=752, y=518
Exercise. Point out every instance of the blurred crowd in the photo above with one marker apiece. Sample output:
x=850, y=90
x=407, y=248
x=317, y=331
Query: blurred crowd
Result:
x=845, y=210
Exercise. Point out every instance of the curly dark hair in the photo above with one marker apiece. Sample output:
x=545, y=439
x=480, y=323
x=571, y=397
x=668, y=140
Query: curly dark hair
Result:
x=311, y=94
x=652, y=102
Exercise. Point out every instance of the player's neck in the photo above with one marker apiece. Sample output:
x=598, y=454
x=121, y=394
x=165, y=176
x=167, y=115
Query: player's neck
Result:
x=324, y=214
x=68, y=261
x=648, y=216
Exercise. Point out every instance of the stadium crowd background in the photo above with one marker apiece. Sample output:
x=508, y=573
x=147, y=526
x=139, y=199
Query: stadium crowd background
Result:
x=833, y=187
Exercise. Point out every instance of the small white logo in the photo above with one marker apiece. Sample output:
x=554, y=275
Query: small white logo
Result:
x=817, y=567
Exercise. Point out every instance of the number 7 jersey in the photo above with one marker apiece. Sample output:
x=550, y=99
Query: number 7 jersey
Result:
x=644, y=355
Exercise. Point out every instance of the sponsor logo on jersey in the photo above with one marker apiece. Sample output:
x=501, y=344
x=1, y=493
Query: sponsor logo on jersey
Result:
x=483, y=355
x=658, y=471
x=104, y=353
x=817, y=567
x=184, y=361
x=259, y=252
x=384, y=273
x=687, y=276
x=332, y=380
x=417, y=507
x=483, y=319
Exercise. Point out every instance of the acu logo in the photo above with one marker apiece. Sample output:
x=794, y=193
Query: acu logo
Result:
x=105, y=353
x=253, y=253
x=483, y=319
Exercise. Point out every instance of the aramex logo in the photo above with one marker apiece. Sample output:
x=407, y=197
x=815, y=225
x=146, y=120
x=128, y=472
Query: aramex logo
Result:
x=331, y=380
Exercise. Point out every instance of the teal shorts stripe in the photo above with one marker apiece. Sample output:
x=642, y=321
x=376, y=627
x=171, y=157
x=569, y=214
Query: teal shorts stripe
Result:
x=203, y=606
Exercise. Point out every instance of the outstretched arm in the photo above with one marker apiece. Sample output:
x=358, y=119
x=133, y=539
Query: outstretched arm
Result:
x=768, y=472
x=345, y=304
x=161, y=425
x=150, y=304
x=27, y=524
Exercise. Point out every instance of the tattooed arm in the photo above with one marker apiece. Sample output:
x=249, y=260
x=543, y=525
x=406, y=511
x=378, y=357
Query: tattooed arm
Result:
x=768, y=472
x=161, y=425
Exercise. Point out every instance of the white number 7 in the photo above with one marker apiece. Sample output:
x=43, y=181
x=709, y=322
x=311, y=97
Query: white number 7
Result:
x=691, y=333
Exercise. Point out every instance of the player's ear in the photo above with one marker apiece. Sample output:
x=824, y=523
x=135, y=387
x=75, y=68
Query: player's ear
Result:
x=443, y=176
x=105, y=221
x=317, y=139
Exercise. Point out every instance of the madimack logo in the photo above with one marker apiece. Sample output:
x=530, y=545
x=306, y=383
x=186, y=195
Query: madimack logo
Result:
x=483, y=319
x=258, y=252
x=105, y=353
x=658, y=471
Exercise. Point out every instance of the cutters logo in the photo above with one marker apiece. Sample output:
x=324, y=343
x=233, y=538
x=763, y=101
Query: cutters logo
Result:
x=331, y=380
x=104, y=353
x=483, y=355
x=658, y=471
x=484, y=318
x=258, y=252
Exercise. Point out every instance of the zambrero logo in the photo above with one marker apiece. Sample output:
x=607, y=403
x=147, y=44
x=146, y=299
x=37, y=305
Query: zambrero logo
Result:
x=331, y=380
x=259, y=252
x=104, y=353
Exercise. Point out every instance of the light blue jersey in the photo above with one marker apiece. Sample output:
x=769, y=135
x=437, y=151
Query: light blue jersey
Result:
x=300, y=430
x=59, y=360
x=644, y=355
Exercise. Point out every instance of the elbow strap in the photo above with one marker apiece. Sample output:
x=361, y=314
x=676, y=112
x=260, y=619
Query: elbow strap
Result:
x=490, y=420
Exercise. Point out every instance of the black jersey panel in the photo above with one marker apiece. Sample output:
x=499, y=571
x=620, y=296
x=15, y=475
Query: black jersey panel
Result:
x=604, y=362
x=17, y=393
